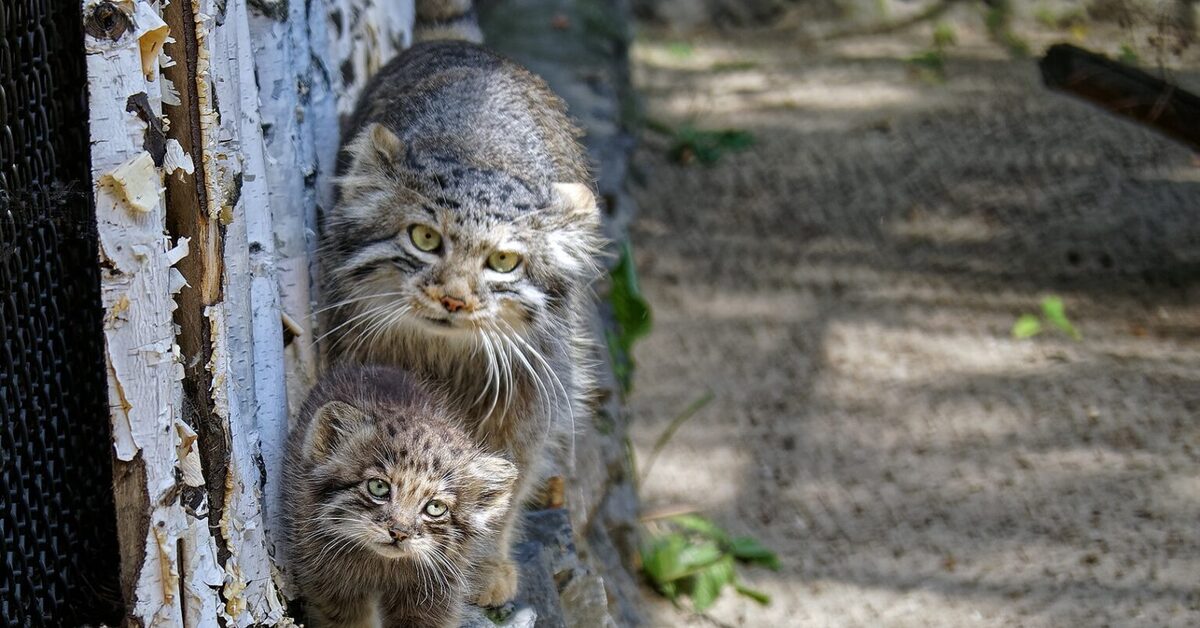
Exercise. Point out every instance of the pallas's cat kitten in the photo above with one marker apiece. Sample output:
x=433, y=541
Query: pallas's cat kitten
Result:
x=462, y=247
x=388, y=506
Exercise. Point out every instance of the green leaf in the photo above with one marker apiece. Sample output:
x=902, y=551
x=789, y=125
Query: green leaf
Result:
x=700, y=525
x=699, y=555
x=1027, y=326
x=1055, y=312
x=750, y=550
x=632, y=315
x=707, y=584
x=754, y=594
x=660, y=560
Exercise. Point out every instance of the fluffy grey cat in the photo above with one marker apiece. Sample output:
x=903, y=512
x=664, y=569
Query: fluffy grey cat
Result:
x=389, y=505
x=462, y=247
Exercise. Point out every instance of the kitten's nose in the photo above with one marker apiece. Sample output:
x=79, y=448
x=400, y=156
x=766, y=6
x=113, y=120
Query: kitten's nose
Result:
x=399, y=535
x=452, y=304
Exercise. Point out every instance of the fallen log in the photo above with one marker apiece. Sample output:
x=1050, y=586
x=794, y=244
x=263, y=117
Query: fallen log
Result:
x=1125, y=91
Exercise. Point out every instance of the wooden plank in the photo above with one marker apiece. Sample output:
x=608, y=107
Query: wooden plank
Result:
x=280, y=35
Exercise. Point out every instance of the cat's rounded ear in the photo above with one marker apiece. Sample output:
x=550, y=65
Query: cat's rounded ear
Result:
x=577, y=201
x=331, y=424
x=377, y=148
x=493, y=480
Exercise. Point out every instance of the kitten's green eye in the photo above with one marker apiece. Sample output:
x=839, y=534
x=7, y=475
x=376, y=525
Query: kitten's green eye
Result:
x=435, y=508
x=425, y=238
x=503, y=261
x=378, y=488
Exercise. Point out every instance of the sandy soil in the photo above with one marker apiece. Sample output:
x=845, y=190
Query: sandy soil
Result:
x=846, y=290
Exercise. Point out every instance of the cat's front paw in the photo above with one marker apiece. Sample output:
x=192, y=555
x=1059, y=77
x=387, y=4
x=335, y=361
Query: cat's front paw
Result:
x=500, y=583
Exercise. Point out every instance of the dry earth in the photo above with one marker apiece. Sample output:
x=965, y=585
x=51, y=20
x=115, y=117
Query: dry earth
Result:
x=846, y=290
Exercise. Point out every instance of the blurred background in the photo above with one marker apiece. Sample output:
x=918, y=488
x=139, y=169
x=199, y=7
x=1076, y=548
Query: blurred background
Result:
x=923, y=328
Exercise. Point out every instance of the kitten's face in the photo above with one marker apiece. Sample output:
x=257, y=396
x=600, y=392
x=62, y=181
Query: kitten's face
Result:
x=410, y=490
x=430, y=247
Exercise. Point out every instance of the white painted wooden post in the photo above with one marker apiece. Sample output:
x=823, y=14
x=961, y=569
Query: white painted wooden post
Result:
x=161, y=540
x=257, y=102
x=310, y=67
x=279, y=32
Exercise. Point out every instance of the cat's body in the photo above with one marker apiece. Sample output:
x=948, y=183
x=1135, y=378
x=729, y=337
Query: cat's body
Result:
x=388, y=505
x=462, y=247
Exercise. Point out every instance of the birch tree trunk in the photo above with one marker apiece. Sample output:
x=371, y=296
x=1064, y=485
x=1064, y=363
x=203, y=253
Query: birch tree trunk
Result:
x=214, y=133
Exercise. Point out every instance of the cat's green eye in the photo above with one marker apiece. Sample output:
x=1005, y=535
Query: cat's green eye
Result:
x=378, y=488
x=425, y=238
x=435, y=508
x=503, y=261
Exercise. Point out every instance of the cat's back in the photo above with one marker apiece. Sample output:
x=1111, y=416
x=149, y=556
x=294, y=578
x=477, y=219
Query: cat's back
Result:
x=460, y=104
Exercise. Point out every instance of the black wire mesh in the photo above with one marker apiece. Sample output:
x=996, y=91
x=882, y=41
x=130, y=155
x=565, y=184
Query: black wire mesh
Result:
x=57, y=525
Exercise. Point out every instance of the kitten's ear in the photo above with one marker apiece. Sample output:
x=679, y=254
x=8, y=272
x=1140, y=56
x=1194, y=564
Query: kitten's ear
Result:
x=377, y=148
x=494, y=479
x=577, y=201
x=331, y=424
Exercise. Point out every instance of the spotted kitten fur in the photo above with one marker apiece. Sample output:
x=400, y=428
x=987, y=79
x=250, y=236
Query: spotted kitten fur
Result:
x=462, y=247
x=388, y=506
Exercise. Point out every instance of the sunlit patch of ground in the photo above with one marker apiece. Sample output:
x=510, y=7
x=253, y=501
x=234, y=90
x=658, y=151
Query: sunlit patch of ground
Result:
x=846, y=289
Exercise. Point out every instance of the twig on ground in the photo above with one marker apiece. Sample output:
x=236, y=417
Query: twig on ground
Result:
x=666, y=513
x=667, y=433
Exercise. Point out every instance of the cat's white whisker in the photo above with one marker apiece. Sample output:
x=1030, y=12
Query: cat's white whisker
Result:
x=345, y=302
x=366, y=312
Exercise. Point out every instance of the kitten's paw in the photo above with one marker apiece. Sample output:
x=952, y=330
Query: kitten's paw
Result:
x=500, y=585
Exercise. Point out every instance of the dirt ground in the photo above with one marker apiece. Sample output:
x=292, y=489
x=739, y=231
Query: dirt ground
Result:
x=846, y=289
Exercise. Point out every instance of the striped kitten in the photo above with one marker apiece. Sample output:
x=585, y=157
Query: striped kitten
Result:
x=388, y=506
x=462, y=247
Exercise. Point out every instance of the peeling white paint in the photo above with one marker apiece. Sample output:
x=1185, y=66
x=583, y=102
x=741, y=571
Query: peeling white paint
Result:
x=137, y=182
x=298, y=57
x=151, y=33
x=175, y=158
x=266, y=192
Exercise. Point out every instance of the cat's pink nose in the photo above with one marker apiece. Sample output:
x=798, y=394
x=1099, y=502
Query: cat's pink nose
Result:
x=398, y=535
x=452, y=304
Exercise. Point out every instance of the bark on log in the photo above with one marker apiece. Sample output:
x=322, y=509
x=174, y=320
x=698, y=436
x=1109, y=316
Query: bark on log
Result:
x=1125, y=91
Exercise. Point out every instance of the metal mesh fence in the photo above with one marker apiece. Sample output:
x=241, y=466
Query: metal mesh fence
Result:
x=57, y=525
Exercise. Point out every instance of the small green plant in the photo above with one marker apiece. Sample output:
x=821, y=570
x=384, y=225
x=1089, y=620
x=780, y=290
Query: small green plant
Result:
x=632, y=315
x=1054, y=313
x=944, y=36
x=690, y=144
x=694, y=557
x=1067, y=19
x=930, y=65
x=998, y=19
x=1127, y=55
x=734, y=66
x=680, y=49
x=672, y=427
x=1046, y=16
